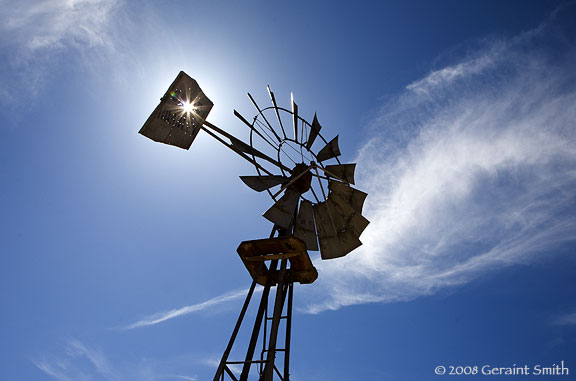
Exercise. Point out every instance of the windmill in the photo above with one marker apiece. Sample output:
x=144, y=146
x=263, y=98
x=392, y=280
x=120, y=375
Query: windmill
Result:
x=313, y=208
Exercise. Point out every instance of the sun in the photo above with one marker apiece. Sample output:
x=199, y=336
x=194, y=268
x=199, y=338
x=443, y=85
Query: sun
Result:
x=188, y=107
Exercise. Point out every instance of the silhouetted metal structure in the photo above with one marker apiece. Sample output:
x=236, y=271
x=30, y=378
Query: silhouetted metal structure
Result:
x=315, y=208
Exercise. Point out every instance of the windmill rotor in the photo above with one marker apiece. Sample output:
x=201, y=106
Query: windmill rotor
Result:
x=313, y=199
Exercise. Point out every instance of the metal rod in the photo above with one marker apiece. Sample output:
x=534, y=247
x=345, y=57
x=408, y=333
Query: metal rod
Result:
x=246, y=157
x=239, y=116
x=320, y=182
x=263, y=130
x=258, y=322
x=291, y=182
x=273, y=99
x=278, y=305
x=264, y=117
x=238, y=324
x=288, y=331
x=264, y=341
x=328, y=172
x=232, y=138
x=294, y=117
x=232, y=376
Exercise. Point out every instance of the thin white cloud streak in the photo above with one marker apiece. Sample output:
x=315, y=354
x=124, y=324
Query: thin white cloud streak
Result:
x=167, y=315
x=566, y=319
x=81, y=362
x=67, y=368
x=472, y=168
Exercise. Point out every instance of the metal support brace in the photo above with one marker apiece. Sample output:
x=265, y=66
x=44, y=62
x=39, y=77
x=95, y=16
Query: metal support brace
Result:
x=278, y=306
x=266, y=367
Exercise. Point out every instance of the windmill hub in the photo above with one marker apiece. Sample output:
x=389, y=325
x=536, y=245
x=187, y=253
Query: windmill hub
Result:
x=301, y=178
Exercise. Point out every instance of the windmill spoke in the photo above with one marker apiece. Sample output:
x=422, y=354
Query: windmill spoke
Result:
x=264, y=117
x=262, y=128
x=246, y=157
x=240, y=147
x=239, y=116
x=294, y=117
x=299, y=153
x=273, y=99
x=320, y=183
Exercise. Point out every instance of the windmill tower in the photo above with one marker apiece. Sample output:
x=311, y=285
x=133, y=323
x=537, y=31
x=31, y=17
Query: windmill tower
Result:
x=314, y=207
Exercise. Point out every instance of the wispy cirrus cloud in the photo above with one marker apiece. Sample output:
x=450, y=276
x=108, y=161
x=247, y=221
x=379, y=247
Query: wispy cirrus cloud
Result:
x=163, y=316
x=566, y=319
x=52, y=25
x=471, y=169
x=67, y=369
x=36, y=36
x=81, y=362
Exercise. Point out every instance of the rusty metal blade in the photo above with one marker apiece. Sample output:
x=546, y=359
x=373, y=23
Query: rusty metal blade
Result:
x=345, y=218
x=304, y=228
x=333, y=244
x=336, y=247
x=261, y=183
x=342, y=171
x=339, y=226
x=352, y=196
x=294, y=117
x=329, y=151
x=314, y=131
x=273, y=99
x=282, y=212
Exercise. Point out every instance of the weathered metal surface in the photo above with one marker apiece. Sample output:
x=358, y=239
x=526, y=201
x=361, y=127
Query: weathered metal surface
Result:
x=170, y=122
x=273, y=99
x=342, y=171
x=282, y=212
x=329, y=151
x=305, y=228
x=240, y=145
x=301, y=178
x=351, y=195
x=338, y=223
x=261, y=183
x=254, y=252
x=314, y=131
x=345, y=217
x=294, y=117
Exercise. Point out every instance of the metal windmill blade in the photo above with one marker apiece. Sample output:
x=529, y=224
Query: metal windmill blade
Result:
x=339, y=221
x=343, y=172
x=329, y=151
x=283, y=210
x=262, y=183
x=305, y=227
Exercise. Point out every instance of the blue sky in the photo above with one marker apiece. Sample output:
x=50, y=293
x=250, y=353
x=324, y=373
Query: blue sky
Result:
x=118, y=254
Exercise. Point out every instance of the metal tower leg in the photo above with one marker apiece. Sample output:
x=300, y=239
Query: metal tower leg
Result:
x=257, y=325
x=222, y=366
x=278, y=307
x=288, y=332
